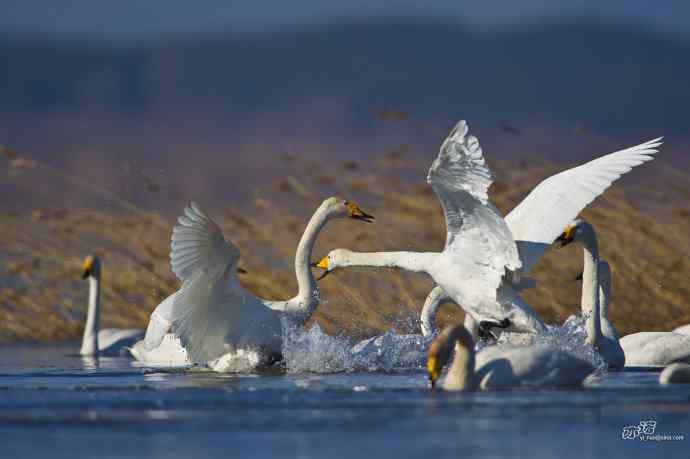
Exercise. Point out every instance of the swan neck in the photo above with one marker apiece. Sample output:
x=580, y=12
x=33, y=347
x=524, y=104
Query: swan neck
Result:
x=307, y=298
x=461, y=374
x=430, y=309
x=89, y=344
x=604, y=297
x=590, y=291
x=410, y=261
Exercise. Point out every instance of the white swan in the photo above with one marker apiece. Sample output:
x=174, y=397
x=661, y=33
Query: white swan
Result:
x=683, y=330
x=501, y=366
x=436, y=297
x=655, y=348
x=675, y=373
x=215, y=318
x=482, y=247
x=111, y=341
x=596, y=294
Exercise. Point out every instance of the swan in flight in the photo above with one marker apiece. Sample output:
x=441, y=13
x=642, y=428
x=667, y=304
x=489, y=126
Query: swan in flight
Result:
x=501, y=366
x=485, y=255
x=111, y=341
x=215, y=318
x=596, y=293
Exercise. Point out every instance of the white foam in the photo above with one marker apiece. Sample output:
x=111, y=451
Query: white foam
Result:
x=316, y=352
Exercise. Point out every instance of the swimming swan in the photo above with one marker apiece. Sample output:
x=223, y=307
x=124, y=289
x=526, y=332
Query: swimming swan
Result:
x=111, y=341
x=683, y=330
x=655, y=348
x=501, y=366
x=215, y=318
x=596, y=294
x=481, y=246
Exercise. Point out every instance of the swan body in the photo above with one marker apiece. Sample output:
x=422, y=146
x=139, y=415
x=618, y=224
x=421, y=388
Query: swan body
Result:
x=683, y=330
x=655, y=348
x=485, y=255
x=169, y=353
x=675, y=373
x=110, y=341
x=502, y=366
x=216, y=320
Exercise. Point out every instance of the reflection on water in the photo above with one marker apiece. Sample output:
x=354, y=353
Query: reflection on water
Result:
x=58, y=405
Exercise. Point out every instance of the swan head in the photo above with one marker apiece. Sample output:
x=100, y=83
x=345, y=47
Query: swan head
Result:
x=336, y=258
x=441, y=350
x=342, y=208
x=577, y=231
x=91, y=267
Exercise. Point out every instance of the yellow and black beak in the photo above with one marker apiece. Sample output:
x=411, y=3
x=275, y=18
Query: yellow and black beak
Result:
x=357, y=213
x=433, y=370
x=87, y=267
x=322, y=264
x=567, y=237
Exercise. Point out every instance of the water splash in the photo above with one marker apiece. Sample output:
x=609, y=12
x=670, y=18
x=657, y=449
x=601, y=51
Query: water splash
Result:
x=314, y=351
x=570, y=337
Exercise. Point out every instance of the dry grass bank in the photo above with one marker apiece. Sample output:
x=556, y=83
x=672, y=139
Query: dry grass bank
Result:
x=42, y=297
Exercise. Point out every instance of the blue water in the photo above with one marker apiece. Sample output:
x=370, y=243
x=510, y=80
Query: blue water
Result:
x=53, y=404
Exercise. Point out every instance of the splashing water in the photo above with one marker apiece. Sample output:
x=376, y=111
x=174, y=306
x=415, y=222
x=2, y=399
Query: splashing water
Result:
x=313, y=351
x=570, y=337
x=316, y=352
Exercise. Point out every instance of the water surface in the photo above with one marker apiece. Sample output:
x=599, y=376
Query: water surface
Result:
x=55, y=404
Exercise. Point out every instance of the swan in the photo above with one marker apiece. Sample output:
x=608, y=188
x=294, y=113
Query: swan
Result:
x=683, y=330
x=215, y=318
x=501, y=366
x=436, y=298
x=655, y=348
x=111, y=341
x=675, y=373
x=596, y=293
x=485, y=255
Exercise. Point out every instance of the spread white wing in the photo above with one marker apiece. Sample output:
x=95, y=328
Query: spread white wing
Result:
x=545, y=213
x=198, y=245
x=475, y=229
x=204, y=308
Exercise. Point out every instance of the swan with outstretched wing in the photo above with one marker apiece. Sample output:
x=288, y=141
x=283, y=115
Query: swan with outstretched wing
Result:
x=211, y=319
x=486, y=255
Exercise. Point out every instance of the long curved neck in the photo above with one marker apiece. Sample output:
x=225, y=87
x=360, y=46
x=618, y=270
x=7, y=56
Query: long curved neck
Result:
x=604, y=298
x=89, y=343
x=430, y=309
x=307, y=299
x=410, y=261
x=590, y=290
x=461, y=373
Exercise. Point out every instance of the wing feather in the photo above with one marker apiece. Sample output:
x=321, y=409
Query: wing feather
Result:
x=475, y=229
x=538, y=220
x=197, y=243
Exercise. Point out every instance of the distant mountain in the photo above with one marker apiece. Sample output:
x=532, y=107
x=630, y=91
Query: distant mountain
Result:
x=611, y=77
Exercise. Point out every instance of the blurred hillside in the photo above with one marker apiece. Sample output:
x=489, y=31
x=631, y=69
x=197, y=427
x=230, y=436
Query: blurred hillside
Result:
x=642, y=226
x=157, y=103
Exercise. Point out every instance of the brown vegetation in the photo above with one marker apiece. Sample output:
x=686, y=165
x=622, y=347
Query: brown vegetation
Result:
x=42, y=297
